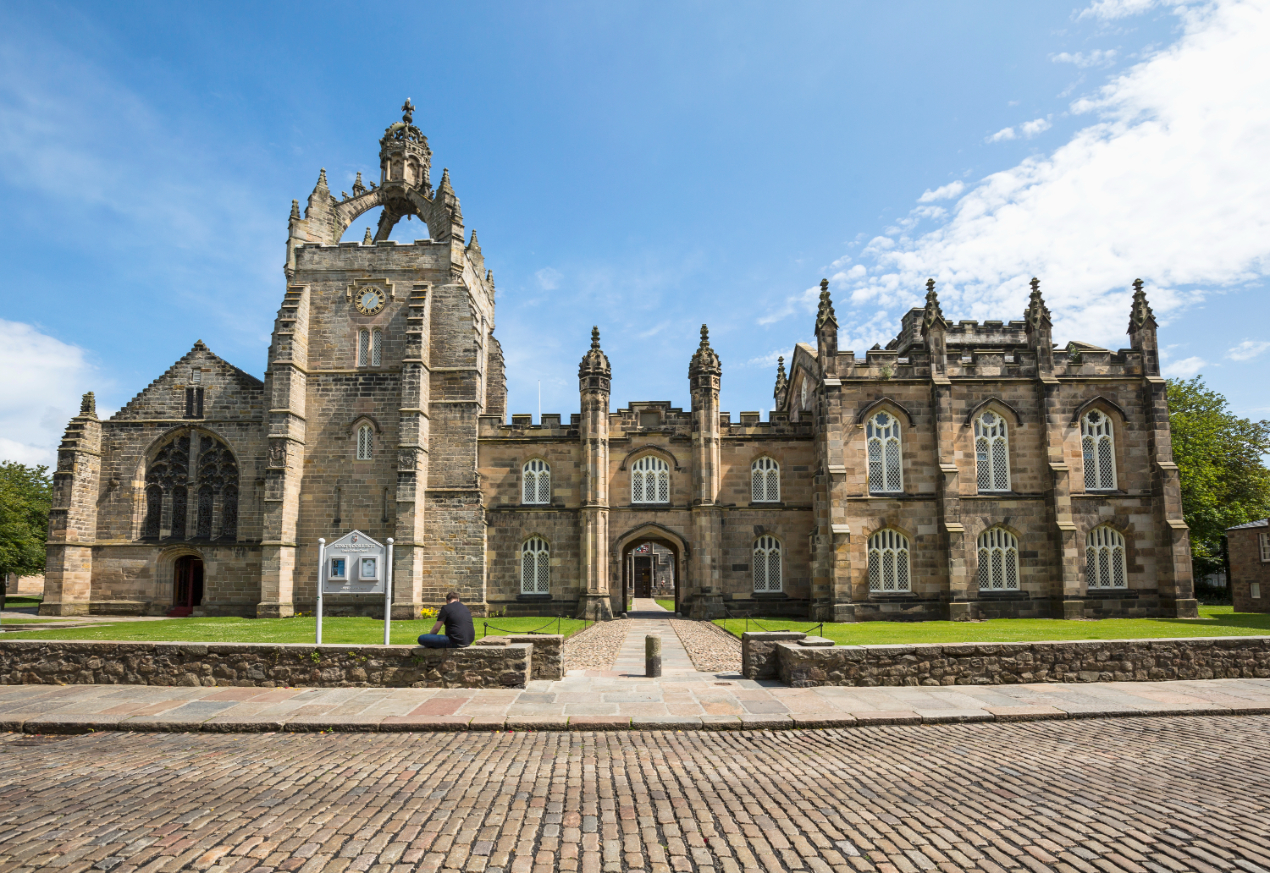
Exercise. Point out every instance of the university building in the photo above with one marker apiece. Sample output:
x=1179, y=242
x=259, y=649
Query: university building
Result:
x=966, y=470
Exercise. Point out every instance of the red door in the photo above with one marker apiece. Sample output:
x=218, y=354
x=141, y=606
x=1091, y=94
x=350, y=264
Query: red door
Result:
x=187, y=585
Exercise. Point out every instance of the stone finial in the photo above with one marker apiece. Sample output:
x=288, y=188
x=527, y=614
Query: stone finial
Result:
x=705, y=362
x=782, y=381
x=368, y=239
x=321, y=182
x=295, y=210
x=1141, y=315
x=1037, y=314
x=474, y=245
x=445, y=186
x=934, y=314
x=88, y=404
x=594, y=371
x=408, y=112
x=595, y=337
x=359, y=187
x=824, y=312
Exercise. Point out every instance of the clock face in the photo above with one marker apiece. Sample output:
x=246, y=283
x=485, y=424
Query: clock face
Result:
x=369, y=300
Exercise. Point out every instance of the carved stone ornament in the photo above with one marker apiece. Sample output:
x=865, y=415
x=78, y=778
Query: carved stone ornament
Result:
x=407, y=459
x=278, y=453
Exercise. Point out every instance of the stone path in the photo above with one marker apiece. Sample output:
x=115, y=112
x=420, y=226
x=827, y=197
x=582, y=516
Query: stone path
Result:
x=681, y=699
x=1147, y=794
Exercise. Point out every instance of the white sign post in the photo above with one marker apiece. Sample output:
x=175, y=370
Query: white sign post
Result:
x=354, y=564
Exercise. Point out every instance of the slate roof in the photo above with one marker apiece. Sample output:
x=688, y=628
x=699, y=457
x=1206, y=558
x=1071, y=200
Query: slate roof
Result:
x=1262, y=522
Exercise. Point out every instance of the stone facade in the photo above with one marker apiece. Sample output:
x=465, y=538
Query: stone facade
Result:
x=383, y=408
x=1249, y=548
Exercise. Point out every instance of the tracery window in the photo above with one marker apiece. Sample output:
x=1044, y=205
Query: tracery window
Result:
x=998, y=560
x=1098, y=442
x=154, y=511
x=765, y=481
x=992, y=453
x=363, y=347
x=535, y=567
x=889, y=562
x=376, y=347
x=882, y=437
x=365, y=442
x=650, y=480
x=767, y=565
x=213, y=484
x=535, y=482
x=1105, y=559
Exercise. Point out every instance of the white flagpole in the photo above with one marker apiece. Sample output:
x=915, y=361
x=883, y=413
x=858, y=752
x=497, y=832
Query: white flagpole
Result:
x=388, y=593
x=321, y=577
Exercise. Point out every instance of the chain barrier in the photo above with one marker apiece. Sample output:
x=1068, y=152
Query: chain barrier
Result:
x=758, y=624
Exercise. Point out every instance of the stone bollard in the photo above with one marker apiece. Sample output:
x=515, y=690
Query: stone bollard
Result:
x=652, y=656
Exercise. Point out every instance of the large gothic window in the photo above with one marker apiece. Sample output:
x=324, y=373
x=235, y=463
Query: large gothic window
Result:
x=998, y=560
x=1098, y=443
x=650, y=480
x=535, y=484
x=1105, y=559
x=765, y=481
x=535, y=567
x=882, y=436
x=365, y=442
x=171, y=479
x=992, y=453
x=888, y=562
x=767, y=565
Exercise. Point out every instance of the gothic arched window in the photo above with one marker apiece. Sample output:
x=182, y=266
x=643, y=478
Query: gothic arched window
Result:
x=767, y=565
x=765, y=481
x=205, y=506
x=213, y=484
x=376, y=347
x=1098, y=443
x=365, y=442
x=1105, y=559
x=889, y=562
x=998, y=560
x=650, y=480
x=363, y=348
x=992, y=453
x=180, y=502
x=882, y=436
x=154, y=511
x=535, y=482
x=535, y=567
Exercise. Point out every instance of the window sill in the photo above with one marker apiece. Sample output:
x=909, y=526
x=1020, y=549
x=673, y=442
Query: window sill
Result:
x=891, y=595
x=539, y=598
x=769, y=595
x=766, y=504
x=1003, y=595
x=1111, y=593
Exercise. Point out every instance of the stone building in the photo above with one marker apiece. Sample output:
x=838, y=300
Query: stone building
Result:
x=1248, y=546
x=965, y=470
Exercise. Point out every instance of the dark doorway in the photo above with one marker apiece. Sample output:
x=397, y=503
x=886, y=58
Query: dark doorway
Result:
x=643, y=576
x=187, y=585
x=650, y=569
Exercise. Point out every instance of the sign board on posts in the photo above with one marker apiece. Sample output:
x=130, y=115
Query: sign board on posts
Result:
x=355, y=564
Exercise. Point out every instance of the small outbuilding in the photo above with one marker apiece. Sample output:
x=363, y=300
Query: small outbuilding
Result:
x=1249, y=549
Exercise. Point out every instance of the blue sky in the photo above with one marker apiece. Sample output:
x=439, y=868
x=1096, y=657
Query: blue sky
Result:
x=644, y=167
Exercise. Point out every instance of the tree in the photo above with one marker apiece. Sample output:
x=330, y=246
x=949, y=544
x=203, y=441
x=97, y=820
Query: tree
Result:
x=25, y=494
x=1220, y=462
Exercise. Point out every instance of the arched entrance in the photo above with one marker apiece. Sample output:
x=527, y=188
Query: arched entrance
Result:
x=187, y=585
x=652, y=568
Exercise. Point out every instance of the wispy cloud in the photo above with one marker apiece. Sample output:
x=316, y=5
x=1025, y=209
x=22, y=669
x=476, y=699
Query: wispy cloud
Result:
x=548, y=278
x=1247, y=350
x=943, y=192
x=1184, y=368
x=1004, y=133
x=1095, y=58
x=1027, y=130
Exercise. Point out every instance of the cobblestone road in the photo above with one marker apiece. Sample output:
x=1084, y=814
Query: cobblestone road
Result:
x=1159, y=794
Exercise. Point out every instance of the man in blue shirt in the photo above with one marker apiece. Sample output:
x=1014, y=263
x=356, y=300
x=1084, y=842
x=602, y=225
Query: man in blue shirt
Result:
x=457, y=619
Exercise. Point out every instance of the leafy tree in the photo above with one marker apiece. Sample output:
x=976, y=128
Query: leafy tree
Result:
x=25, y=494
x=1220, y=461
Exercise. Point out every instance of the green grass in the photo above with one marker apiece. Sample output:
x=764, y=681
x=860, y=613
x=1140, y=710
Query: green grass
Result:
x=343, y=631
x=14, y=601
x=1214, y=621
x=9, y=621
x=668, y=605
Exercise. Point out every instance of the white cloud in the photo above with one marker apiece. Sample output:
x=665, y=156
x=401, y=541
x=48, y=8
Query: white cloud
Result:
x=1031, y=128
x=1247, y=350
x=943, y=192
x=44, y=379
x=548, y=278
x=1168, y=184
x=1185, y=368
x=1095, y=58
x=1005, y=133
x=1112, y=9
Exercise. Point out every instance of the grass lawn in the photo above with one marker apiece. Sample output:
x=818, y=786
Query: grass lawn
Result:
x=1214, y=621
x=13, y=601
x=13, y=621
x=668, y=605
x=343, y=631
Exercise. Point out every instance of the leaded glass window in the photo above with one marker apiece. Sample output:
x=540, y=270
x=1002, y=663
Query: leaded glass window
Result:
x=229, y=513
x=376, y=347
x=363, y=348
x=767, y=565
x=998, y=560
x=365, y=442
x=650, y=480
x=179, y=507
x=1105, y=559
x=1098, y=442
x=889, y=562
x=154, y=511
x=882, y=437
x=535, y=482
x=535, y=567
x=765, y=481
x=992, y=453
x=205, y=513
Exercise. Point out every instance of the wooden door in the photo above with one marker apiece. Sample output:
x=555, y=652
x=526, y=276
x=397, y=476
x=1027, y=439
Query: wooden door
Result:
x=643, y=577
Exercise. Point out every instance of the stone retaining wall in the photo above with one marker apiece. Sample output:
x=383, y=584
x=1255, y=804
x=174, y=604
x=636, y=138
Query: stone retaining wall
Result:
x=806, y=663
x=548, y=661
x=42, y=662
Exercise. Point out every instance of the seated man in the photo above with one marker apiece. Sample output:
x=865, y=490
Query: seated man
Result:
x=457, y=619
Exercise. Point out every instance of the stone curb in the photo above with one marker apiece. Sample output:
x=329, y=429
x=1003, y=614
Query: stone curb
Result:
x=83, y=724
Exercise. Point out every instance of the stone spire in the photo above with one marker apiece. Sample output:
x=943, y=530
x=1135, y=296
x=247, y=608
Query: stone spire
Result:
x=705, y=362
x=594, y=371
x=359, y=188
x=321, y=182
x=447, y=197
x=1141, y=315
x=368, y=240
x=295, y=210
x=782, y=383
x=826, y=332
x=473, y=245
x=1036, y=319
x=1037, y=314
x=1142, y=327
x=88, y=405
x=934, y=315
x=825, y=313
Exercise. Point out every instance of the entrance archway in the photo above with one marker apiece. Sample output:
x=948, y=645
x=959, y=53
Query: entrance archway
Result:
x=651, y=567
x=187, y=585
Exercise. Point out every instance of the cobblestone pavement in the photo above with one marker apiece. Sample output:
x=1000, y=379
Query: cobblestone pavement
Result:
x=711, y=648
x=1095, y=796
x=594, y=648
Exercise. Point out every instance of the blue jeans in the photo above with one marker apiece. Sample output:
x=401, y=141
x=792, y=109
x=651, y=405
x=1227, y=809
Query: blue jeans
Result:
x=435, y=641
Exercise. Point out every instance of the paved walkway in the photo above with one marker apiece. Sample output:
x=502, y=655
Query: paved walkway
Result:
x=1094, y=796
